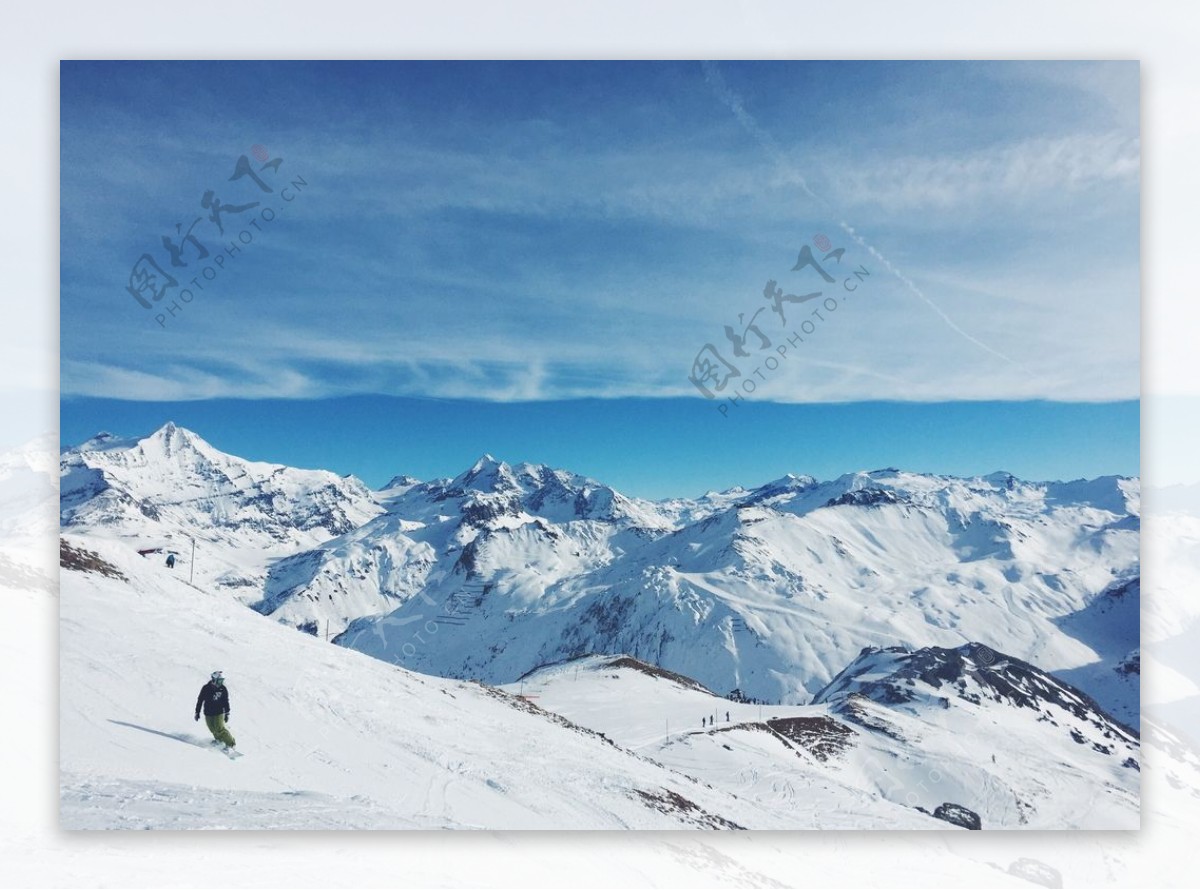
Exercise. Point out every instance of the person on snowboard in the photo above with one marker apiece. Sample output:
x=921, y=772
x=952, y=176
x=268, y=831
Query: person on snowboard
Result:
x=214, y=698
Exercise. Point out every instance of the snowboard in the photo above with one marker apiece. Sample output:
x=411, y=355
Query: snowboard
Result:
x=231, y=753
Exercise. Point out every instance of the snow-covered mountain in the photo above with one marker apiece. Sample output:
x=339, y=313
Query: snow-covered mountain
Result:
x=171, y=487
x=1110, y=626
x=914, y=681
x=1067, y=748
x=433, y=533
x=769, y=590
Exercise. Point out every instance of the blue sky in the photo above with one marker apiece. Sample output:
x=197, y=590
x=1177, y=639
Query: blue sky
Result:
x=647, y=447
x=512, y=232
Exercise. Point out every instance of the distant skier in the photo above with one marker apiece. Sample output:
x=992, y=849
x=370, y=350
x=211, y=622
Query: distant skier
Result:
x=170, y=560
x=214, y=698
x=726, y=716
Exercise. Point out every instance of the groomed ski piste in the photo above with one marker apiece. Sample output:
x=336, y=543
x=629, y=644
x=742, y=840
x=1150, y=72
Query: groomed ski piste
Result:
x=333, y=738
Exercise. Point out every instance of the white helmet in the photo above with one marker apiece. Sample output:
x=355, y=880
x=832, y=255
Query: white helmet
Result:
x=217, y=675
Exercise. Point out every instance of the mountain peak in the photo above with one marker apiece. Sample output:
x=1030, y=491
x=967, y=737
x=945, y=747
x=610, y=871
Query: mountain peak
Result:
x=404, y=480
x=170, y=430
x=487, y=474
x=790, y=481
x=486, y=461
x=173, y=482
x=102, y=441
x=173, y=439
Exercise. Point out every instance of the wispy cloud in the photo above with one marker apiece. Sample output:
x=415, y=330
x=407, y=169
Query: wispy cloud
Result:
x=567, y=249
x=736, y=105
x=1007, y=176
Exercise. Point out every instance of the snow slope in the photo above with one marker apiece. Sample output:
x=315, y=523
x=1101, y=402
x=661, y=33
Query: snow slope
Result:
x=1040, y=755
x=332, y=738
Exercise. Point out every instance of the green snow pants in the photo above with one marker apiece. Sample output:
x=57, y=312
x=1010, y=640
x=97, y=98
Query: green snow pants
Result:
x=216, y=725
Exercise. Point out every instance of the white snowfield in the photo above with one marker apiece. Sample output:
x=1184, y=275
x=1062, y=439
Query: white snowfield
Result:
x=335, y=739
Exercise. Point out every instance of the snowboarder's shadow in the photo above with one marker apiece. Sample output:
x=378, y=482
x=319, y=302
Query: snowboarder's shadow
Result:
x=176, y=736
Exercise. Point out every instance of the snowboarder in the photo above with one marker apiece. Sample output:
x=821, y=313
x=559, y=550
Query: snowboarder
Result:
x=214, y=698
x=170, y=560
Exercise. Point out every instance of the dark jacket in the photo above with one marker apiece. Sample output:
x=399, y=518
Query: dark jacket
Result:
x=214, y=697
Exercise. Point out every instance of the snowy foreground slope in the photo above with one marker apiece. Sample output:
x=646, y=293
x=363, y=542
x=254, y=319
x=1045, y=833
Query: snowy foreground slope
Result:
x=335, y=739
x=770, y=591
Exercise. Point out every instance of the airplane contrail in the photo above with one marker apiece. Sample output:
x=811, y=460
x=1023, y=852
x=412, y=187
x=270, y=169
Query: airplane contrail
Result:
x=714, y=78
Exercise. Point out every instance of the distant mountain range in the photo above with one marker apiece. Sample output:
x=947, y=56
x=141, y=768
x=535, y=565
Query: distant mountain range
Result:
x=770, y=590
